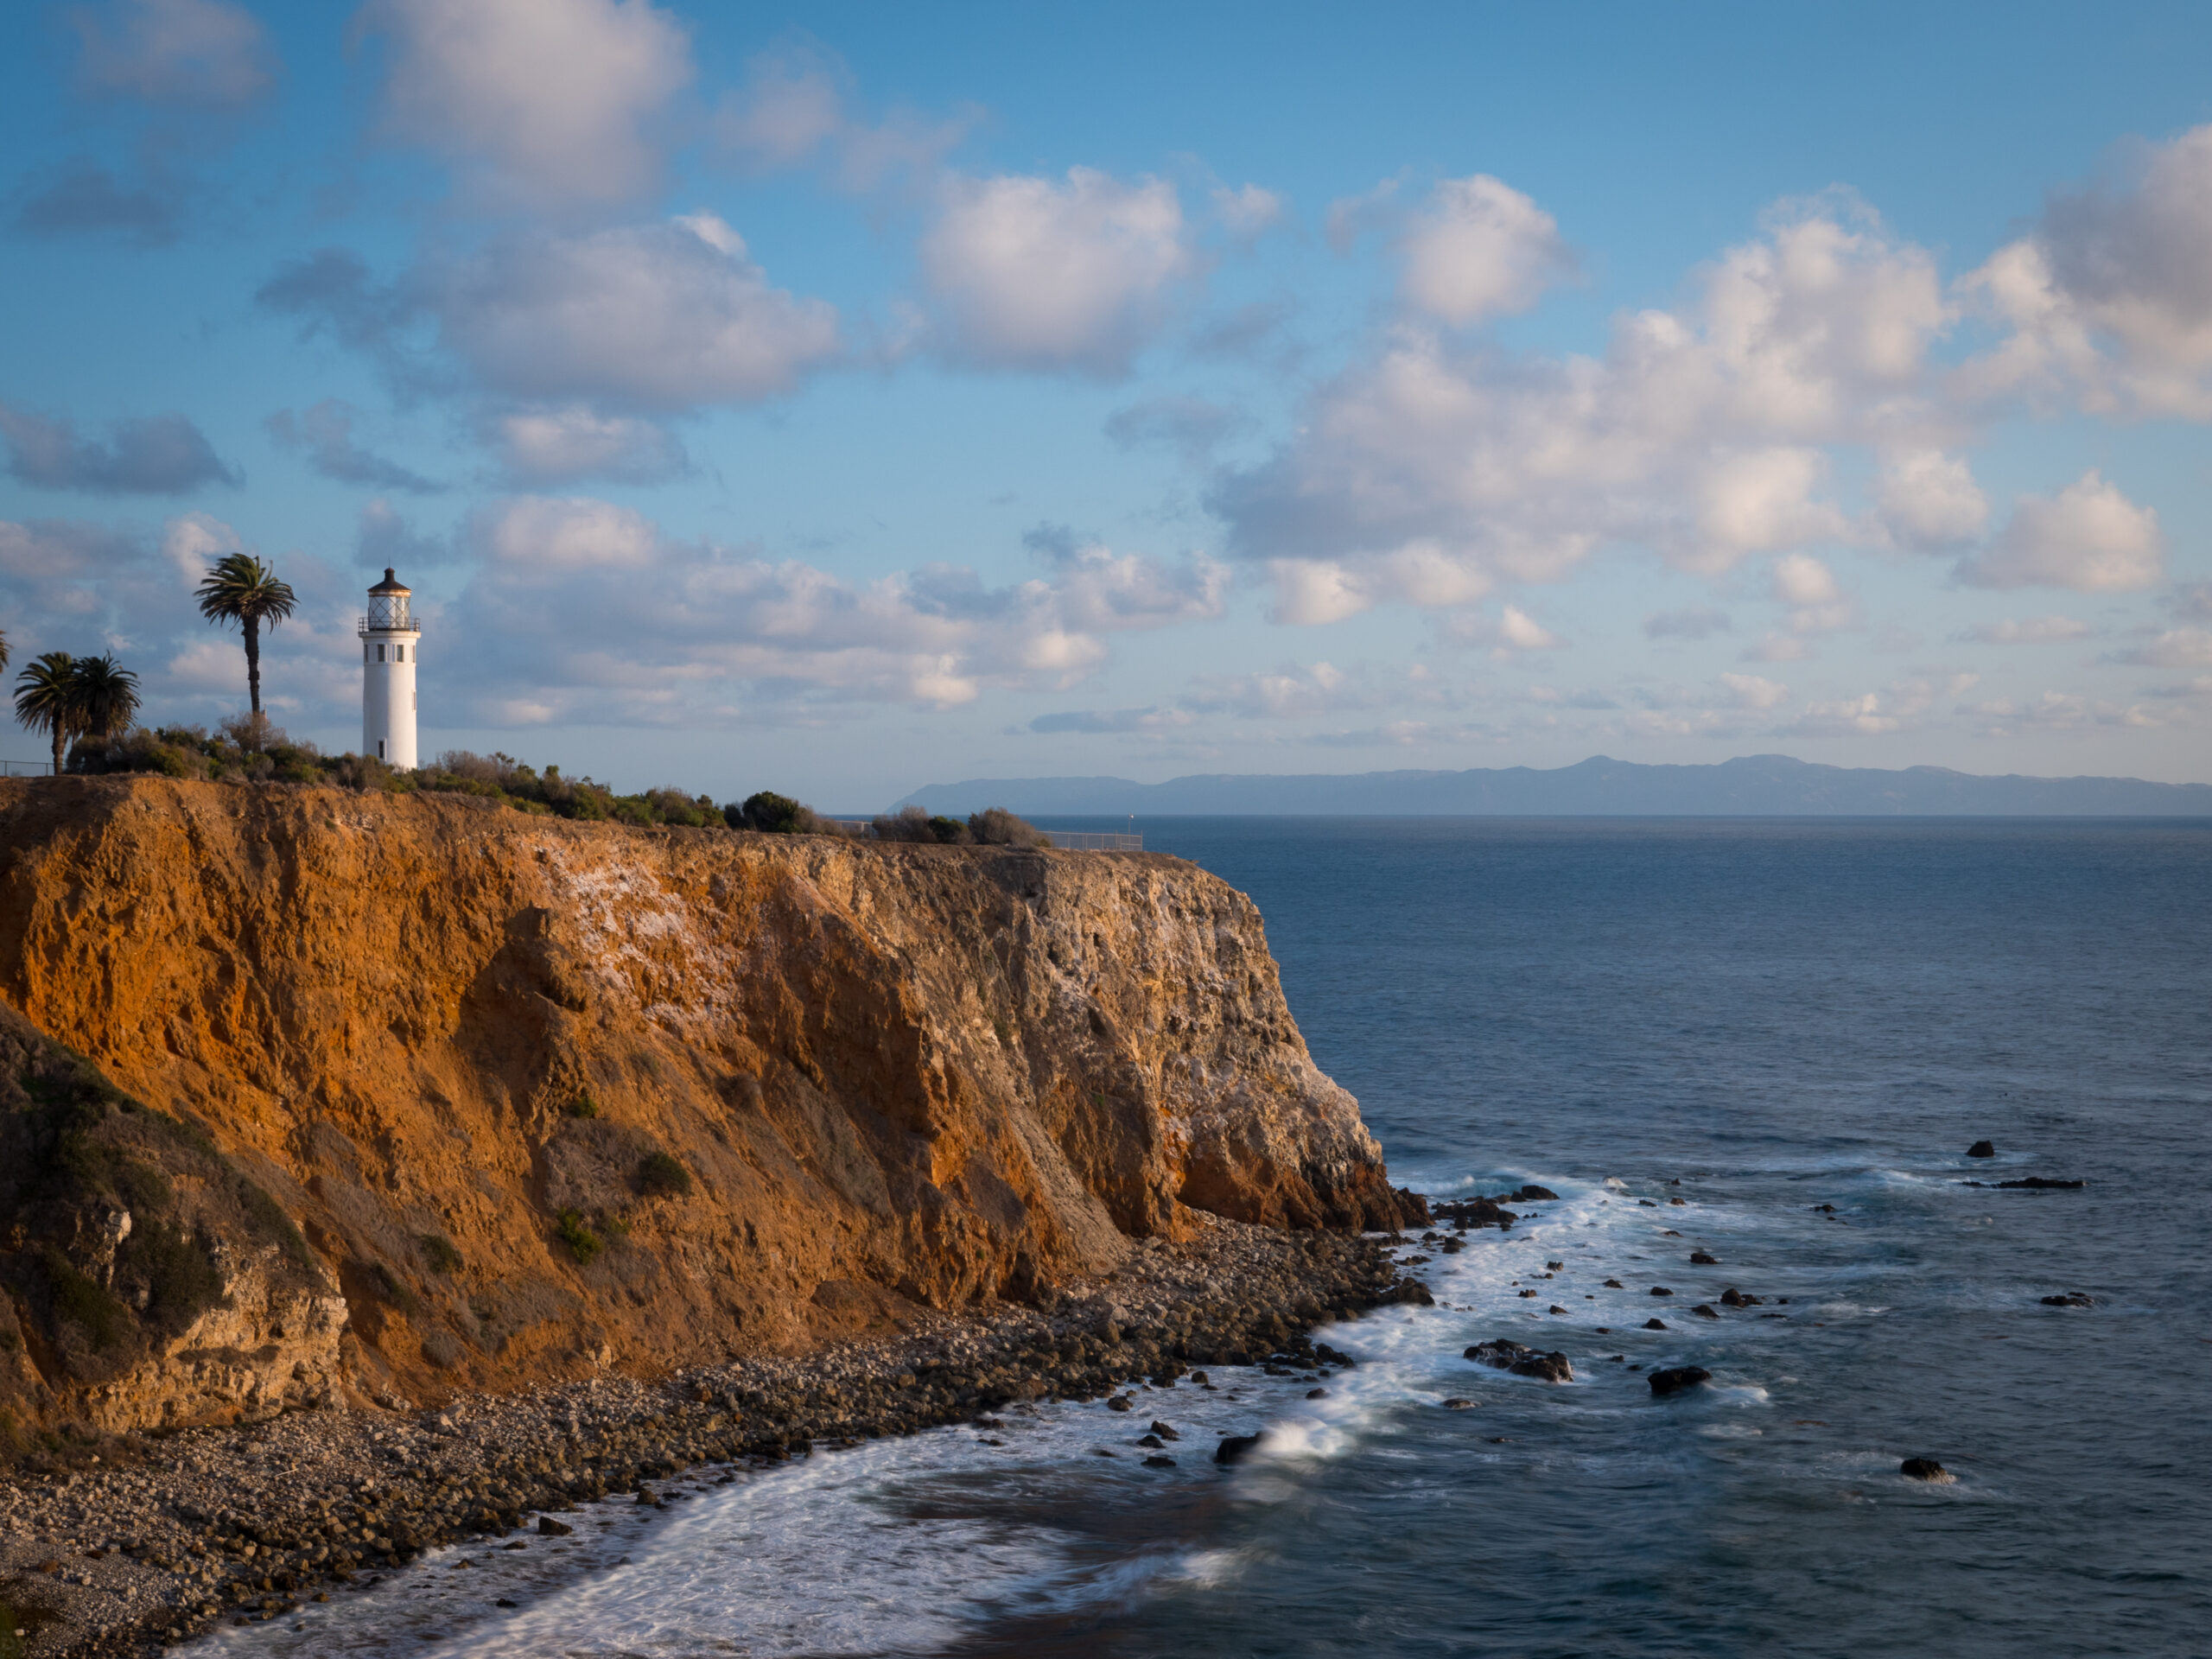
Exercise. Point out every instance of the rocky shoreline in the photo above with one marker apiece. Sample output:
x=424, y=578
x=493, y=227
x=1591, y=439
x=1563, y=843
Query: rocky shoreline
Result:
x=243, y=1524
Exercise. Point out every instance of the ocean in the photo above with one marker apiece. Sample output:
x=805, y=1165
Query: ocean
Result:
x=1767, y=1041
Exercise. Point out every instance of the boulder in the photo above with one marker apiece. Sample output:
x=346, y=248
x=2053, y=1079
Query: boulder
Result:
x=2042, y=1183
x=1982, y=1149
x=1655, y=1324
x=1675, y=1378
x=2070, y=1298
x=1704, y=1259
x=1704, y=1312
x=1522, y=1360
x=1926, y=1469
x=1235, y=1448
x=1661, y=1290
x=1732, y=1297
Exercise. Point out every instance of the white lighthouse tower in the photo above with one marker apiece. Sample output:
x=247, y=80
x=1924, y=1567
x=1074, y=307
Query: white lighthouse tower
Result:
x=390, y=645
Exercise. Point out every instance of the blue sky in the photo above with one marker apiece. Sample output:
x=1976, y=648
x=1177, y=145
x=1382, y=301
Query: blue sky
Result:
x=843, y=400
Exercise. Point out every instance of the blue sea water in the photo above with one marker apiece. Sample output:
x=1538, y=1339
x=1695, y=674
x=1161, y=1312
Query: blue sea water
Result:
x=1755, y=1018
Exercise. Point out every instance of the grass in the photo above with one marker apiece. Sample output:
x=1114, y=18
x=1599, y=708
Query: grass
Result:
x=583, y=1243
x=438, y=1250
x=661, y=1175
x=582, y=1106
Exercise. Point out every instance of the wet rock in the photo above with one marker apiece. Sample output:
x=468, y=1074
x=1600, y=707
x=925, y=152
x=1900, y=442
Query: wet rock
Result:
x=1317, y=1393
x=1824, y=1209
x=1982, y=1149
x=1655, y=1324
x=1152, y=1440
x=1926, y=1469
x=1556, y=1308
x=2070, y=1298
x=1702, y=1259
x=1159, y=1462
x=1661, y=1290
x=1458, y=1403
x=1522, y=1360
x=1235, y=1448
x=1410, y=1293
x=1528, y=1295
x=2043, y=1184
x=548, y=1527
x=1732, y=1297
x=1119, y=1403
x=1675, y=1378
x=1615, y=1284
x=1164, y=1432
x=1705, y=1312
x=1531, y=1193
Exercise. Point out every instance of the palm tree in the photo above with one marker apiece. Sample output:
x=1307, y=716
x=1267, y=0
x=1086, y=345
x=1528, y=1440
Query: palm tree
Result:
x=46, y=699
x=106, y=695
x=4, y=653
x=240, y=588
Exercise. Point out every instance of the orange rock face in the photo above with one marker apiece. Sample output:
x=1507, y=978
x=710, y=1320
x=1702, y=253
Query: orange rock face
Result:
x=549, y=1097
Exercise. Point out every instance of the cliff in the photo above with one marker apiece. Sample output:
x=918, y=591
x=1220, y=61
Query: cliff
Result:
x=545, y=1097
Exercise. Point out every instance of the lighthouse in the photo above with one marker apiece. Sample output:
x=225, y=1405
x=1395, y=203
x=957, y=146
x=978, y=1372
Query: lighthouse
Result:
x=390, y=643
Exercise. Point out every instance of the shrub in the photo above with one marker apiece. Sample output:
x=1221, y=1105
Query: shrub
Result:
x=776, y=815
x=582, y=1243
x=395, y=1290
x=181, y=1279
x=996, y=827
x=84, y=1302
x=582, y=1106
x=912, y=823
x=438, y=1250
x=662, y=1176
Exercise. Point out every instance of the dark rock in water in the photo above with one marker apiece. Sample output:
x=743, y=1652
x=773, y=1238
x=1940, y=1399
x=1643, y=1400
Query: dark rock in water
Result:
x=2042, y=1183
x=1156, y=1462
x=1982, y=1149
x=1554, y=1267
x=1522, y=1360
x=1533, y=1194
x=1615, y=1284
x=1152, y=1440
x=1164, y=1432
x=1732, y=1297
x=1925, y=1469
x=1119, y=1403
x=1317, y=1393
x=1556, y=1308
x=548, y=1527
x=1456, y=1403
x=2071, y=1299
x=1647, y=1204
x=1528, y=1295
x=1411, y=1292
x=1235, y=1448
x=1661, y=1290
x=1655, y=1324
x=1701, y=1259
x=1824, y=1208
x=1675, y=1378
x=1704, y=1312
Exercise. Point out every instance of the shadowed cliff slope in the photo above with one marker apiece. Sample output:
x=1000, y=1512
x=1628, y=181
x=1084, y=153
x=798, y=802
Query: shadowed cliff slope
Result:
x=547, y=1097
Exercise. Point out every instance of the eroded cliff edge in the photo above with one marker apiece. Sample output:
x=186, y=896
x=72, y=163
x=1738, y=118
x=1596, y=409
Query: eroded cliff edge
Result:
x=457, y=1043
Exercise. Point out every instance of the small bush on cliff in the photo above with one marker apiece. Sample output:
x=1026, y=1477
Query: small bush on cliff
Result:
x=911, y=824
x=438, y=1250
x=583, y=1243
x=179, y=1277
x=771, y=815
x=582, y=1106
x=661, y=1175
x=83, y=1301
x=996, y=827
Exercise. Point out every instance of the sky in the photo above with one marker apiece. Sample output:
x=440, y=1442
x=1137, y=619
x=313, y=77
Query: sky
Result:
x=842, y=399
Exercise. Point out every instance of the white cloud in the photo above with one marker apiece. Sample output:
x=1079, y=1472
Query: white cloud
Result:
x=658, y=316
x=1801, y=579
x=1479, y=249
x=541, y=101
x=2027, y=630
x=1749, y=691
x=1700, y=434
x=207, y=52
x=1031, y=273
x=1292, y=691
x=568, y=442
x=1249, y=211
x=587, y=611
x=2110, y=295
x=2089, y=538
x=2175, y=648
x=193, y=541
x=795, y=109
x=1516, y=628
x=159, y=454
x=1928, y=501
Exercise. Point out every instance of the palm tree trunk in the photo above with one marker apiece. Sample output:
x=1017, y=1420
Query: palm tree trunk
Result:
x=253, y=662
x=60, y=736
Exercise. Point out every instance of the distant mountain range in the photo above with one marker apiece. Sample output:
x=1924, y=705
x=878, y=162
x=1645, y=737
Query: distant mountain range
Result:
x=1757, y=786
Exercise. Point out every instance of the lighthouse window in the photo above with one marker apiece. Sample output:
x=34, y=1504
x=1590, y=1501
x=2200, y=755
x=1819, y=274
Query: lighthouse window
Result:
x=379, y=653
x=399, y=653
x=379, y=749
